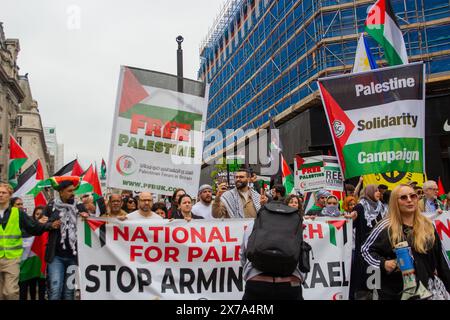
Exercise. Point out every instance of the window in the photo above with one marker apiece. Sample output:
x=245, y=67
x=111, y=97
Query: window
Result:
x=19, y=141
x=19, y=121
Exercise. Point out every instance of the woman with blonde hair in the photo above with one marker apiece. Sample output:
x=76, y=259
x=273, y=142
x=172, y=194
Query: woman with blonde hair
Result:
x=404, y=222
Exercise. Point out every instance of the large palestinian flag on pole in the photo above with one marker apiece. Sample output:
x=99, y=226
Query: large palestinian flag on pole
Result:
x=377, y=119
x=382, y=25
x=17, y=158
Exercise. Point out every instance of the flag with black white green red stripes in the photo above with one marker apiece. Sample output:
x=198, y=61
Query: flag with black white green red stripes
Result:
x=382, y=25
x=377, y=119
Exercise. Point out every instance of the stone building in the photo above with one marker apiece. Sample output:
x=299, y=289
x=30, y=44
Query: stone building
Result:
x=11, y=95
x=30, y=132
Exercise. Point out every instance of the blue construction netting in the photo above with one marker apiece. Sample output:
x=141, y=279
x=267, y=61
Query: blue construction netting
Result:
x=274, y=63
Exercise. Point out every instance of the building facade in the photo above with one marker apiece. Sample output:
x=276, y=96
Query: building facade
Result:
x=11, y=95
x=30, y=132
x=264, y=57
x=55, y=149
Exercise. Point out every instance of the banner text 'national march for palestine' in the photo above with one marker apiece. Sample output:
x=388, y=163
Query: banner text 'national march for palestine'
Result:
x=200, y=259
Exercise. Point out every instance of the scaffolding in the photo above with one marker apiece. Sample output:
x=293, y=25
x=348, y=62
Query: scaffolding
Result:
x=222, y=22
x=274, y=66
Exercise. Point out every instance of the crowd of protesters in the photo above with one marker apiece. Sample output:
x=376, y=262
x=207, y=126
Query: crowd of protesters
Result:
x=381, y=218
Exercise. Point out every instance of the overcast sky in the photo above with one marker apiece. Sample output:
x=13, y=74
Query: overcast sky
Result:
x=72, y=51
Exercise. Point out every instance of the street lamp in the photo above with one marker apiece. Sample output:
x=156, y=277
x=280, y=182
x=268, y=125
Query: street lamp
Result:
x=179, y=40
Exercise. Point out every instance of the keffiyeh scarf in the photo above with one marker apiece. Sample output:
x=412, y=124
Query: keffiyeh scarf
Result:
x=232, y=202
x=68, y=215
x=372, y=210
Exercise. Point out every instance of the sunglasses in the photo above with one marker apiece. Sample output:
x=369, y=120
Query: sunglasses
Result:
x=412, y=196
x=130, y=201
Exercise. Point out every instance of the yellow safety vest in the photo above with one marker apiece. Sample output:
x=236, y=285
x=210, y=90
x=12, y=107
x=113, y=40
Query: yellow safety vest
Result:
x=11, y=238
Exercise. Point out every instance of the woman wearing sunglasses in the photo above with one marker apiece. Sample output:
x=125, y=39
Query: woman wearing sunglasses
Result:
x=129, y=204
x=404, y=222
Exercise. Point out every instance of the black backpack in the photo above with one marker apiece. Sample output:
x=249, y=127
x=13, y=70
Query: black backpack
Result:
x=275, y=244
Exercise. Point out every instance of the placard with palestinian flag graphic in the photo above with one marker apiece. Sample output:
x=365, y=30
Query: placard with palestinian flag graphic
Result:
x=157, y=143
x=377, y=119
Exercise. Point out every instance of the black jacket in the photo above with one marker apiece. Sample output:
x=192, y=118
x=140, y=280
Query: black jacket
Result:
x=26, y=223
x=54, y=246
x=378, y=249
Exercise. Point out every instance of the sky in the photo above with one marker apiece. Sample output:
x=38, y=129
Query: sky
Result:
x=73, y=50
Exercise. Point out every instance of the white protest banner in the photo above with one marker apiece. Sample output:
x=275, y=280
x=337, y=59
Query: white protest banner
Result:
x=309, y=173
x=161, y=259
x=333, y=175
x=28, y=203
x=377, y=119
x=442, y=223
x=331, y=242
x=156, y=142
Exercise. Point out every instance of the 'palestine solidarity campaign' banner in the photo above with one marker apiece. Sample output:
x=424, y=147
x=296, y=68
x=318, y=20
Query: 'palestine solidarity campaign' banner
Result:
x=377, y=119
x=161, y=259
x=156, y=142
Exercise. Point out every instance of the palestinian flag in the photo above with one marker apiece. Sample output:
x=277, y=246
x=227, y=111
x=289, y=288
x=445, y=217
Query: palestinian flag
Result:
x=287, y=176
x=441, y=192
x=33, y=263
x=39, y=197
x=31, y=182
x=94, y=233
x=73, y=168
x=103, y=170
x=382, y=25
x=96, y=182
x=264, y=182
x=40, y=200
x=17, y=158
x=29, y=179
x=90, y=182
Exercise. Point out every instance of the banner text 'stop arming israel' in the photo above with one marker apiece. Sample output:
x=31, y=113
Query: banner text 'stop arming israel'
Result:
x=377, y=119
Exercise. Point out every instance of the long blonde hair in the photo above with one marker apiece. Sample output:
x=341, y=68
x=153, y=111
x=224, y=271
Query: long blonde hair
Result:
x=423, y=230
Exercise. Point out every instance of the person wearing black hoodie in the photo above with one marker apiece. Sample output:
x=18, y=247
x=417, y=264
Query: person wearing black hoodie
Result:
x=370, y=210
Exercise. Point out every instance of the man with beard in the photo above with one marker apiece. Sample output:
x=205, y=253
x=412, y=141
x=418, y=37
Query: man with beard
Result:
x=240, y=202
x=61, y=253
x=203, y=208
x=145, y=204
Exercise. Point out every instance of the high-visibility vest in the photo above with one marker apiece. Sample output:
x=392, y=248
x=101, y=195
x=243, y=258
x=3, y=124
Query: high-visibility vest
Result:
x=11, y=238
